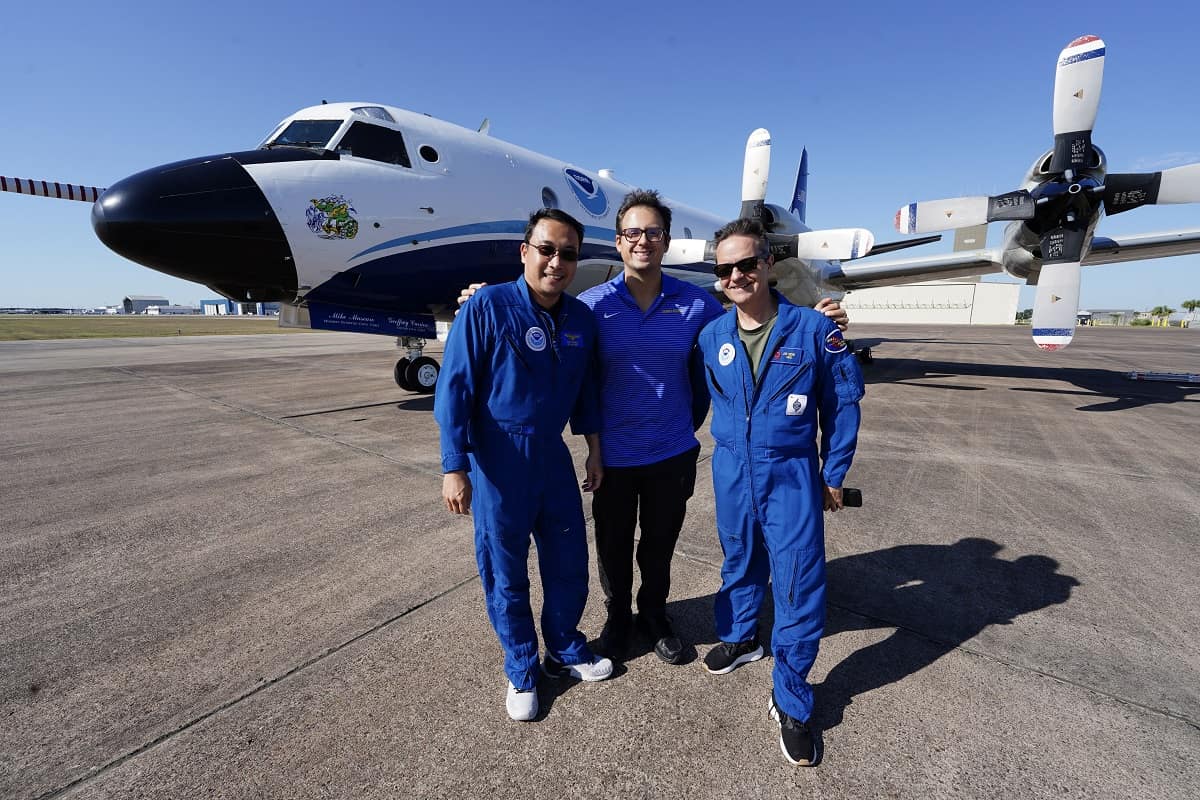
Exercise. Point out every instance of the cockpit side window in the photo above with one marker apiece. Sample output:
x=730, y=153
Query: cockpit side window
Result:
x=307, y=133
x=378, y=144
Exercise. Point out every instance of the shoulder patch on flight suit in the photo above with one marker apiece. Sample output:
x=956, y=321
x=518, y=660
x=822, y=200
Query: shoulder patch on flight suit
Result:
x=834, y=343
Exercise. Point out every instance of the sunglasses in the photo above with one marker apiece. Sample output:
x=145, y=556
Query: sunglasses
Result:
x=652, y=234
x=745, y=266
x=549, y=251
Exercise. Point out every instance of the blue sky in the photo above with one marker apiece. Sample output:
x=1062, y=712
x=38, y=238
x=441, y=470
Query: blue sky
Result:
x=895, y=102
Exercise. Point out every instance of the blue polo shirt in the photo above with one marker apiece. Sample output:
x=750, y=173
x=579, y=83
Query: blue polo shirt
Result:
x=646, y=390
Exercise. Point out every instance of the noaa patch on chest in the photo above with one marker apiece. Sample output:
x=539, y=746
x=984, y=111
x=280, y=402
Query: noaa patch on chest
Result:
x=725, y=354
x=834, y=343
x=535, y=339
x=788, y=355
x=796, y=403
x=570, y=339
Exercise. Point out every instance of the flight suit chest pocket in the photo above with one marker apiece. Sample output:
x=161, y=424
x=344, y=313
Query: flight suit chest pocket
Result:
x=790, y=372
x=511, y=354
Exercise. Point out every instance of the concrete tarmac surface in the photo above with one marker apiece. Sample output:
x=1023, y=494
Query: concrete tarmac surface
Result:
x=225, y=571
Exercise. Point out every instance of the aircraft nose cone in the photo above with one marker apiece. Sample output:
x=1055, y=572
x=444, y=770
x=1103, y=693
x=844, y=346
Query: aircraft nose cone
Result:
x=203, y=220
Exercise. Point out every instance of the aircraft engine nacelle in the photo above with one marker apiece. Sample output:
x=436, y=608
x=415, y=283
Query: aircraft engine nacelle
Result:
x=778, y=219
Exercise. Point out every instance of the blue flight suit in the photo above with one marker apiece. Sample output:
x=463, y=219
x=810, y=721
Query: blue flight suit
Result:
x=512, y=375
x=768, y=480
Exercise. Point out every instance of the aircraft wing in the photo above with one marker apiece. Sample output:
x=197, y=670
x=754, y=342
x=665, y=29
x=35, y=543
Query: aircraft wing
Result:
x=866, y=274
x=1115, y=249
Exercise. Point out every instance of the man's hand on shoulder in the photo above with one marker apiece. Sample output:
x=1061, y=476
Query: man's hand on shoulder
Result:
x=466, y=294
x=832, y=309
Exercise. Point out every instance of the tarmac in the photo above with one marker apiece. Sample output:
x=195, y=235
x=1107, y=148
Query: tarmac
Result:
x=226, y=572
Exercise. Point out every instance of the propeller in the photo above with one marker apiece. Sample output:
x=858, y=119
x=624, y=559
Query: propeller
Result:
x=1063, y=197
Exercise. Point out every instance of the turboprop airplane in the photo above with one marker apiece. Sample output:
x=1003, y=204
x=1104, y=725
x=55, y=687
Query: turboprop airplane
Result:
x=1056, y=209
x=370, y=218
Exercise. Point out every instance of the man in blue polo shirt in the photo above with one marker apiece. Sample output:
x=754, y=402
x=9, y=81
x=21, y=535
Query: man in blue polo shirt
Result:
x=648, y=326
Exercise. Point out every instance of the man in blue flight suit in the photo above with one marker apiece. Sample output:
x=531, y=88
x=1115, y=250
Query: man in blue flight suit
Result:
x=775, y=371
x=520, y=362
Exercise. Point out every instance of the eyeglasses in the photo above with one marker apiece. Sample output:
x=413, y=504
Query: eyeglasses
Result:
x=549, y=251
x=745, y=266
x=652, y=234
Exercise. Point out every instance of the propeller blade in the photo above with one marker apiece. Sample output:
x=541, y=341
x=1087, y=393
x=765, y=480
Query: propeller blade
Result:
x=1056, y=305
x=1077, y=83
x=754, y=173
x=800, y=193
x=903, y=244
x=689, y=251
x=1125, y=191
x=963, y=212
x=834, y=244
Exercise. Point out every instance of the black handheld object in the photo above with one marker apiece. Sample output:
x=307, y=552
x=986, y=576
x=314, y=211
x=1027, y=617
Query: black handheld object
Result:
x=852, y=498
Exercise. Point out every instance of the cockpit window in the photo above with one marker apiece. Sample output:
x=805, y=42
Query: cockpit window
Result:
x=375, y=112
x=306, y=133
x=365, y=140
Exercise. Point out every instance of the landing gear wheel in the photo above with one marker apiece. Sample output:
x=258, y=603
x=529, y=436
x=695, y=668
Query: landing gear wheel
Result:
x=864, y=356
x=422, y=375
x=401, y=375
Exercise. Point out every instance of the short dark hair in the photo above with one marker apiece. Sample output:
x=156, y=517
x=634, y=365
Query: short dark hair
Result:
x=648, y=198
x=557, y=215
x=744, y=227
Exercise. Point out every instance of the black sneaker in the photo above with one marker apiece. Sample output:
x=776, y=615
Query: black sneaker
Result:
x=614, y=638
x=657, y=627
x=797, y=739
x=728, y=656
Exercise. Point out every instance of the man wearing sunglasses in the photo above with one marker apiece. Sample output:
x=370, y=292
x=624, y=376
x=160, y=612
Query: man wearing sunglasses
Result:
x=775, y=373
x=518, y=364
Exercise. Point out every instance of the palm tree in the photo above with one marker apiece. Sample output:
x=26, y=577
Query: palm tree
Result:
x=1191, y=306
x=1161, y=313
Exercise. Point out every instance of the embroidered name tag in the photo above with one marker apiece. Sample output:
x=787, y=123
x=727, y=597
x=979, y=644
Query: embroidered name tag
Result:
x=572, y=339
x=796, y=403
x=788, y=355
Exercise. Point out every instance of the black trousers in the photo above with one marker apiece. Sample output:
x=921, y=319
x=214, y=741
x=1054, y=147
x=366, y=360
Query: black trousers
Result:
x=654, y=495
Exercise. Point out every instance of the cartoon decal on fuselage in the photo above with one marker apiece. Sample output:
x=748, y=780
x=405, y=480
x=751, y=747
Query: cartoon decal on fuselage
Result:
x=331, y=217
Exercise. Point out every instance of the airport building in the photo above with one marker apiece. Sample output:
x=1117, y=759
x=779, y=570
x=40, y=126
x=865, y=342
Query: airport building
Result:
x=220, y=307
x=138, y=303
x=952, y=302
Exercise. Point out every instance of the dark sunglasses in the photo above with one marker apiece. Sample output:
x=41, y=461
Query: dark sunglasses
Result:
x=549, y=251
x=652, y=234
x=745, y=266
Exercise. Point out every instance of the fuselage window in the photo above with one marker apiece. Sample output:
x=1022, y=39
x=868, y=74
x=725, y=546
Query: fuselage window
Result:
x=429, y=154
x=549, y=198
x=307, y=133
x=378, y=144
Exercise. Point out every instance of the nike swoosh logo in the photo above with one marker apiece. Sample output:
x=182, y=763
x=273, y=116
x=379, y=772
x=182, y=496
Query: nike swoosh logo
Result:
x=610, y=316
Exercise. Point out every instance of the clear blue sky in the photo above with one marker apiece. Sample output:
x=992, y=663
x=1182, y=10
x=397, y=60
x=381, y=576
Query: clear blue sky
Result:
x=895, y=102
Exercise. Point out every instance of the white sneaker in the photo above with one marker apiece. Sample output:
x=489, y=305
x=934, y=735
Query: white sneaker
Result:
x=522, y=705
x=597, y=669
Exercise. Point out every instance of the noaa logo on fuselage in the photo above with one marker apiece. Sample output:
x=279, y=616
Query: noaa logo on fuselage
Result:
x=587, y=191
x=725, y=355
x=535, y=339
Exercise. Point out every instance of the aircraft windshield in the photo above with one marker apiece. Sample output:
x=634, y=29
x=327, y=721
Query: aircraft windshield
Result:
x=306, y=133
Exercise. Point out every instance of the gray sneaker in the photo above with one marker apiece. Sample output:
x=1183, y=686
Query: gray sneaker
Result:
x=522, y=704
x=597, y=669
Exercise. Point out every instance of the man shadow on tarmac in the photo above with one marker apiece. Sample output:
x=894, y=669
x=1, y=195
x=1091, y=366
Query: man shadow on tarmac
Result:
x=937, y=597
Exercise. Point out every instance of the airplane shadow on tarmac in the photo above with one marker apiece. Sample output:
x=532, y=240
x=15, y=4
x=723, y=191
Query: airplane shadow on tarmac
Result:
x=1110, y=387
x=937, y=597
